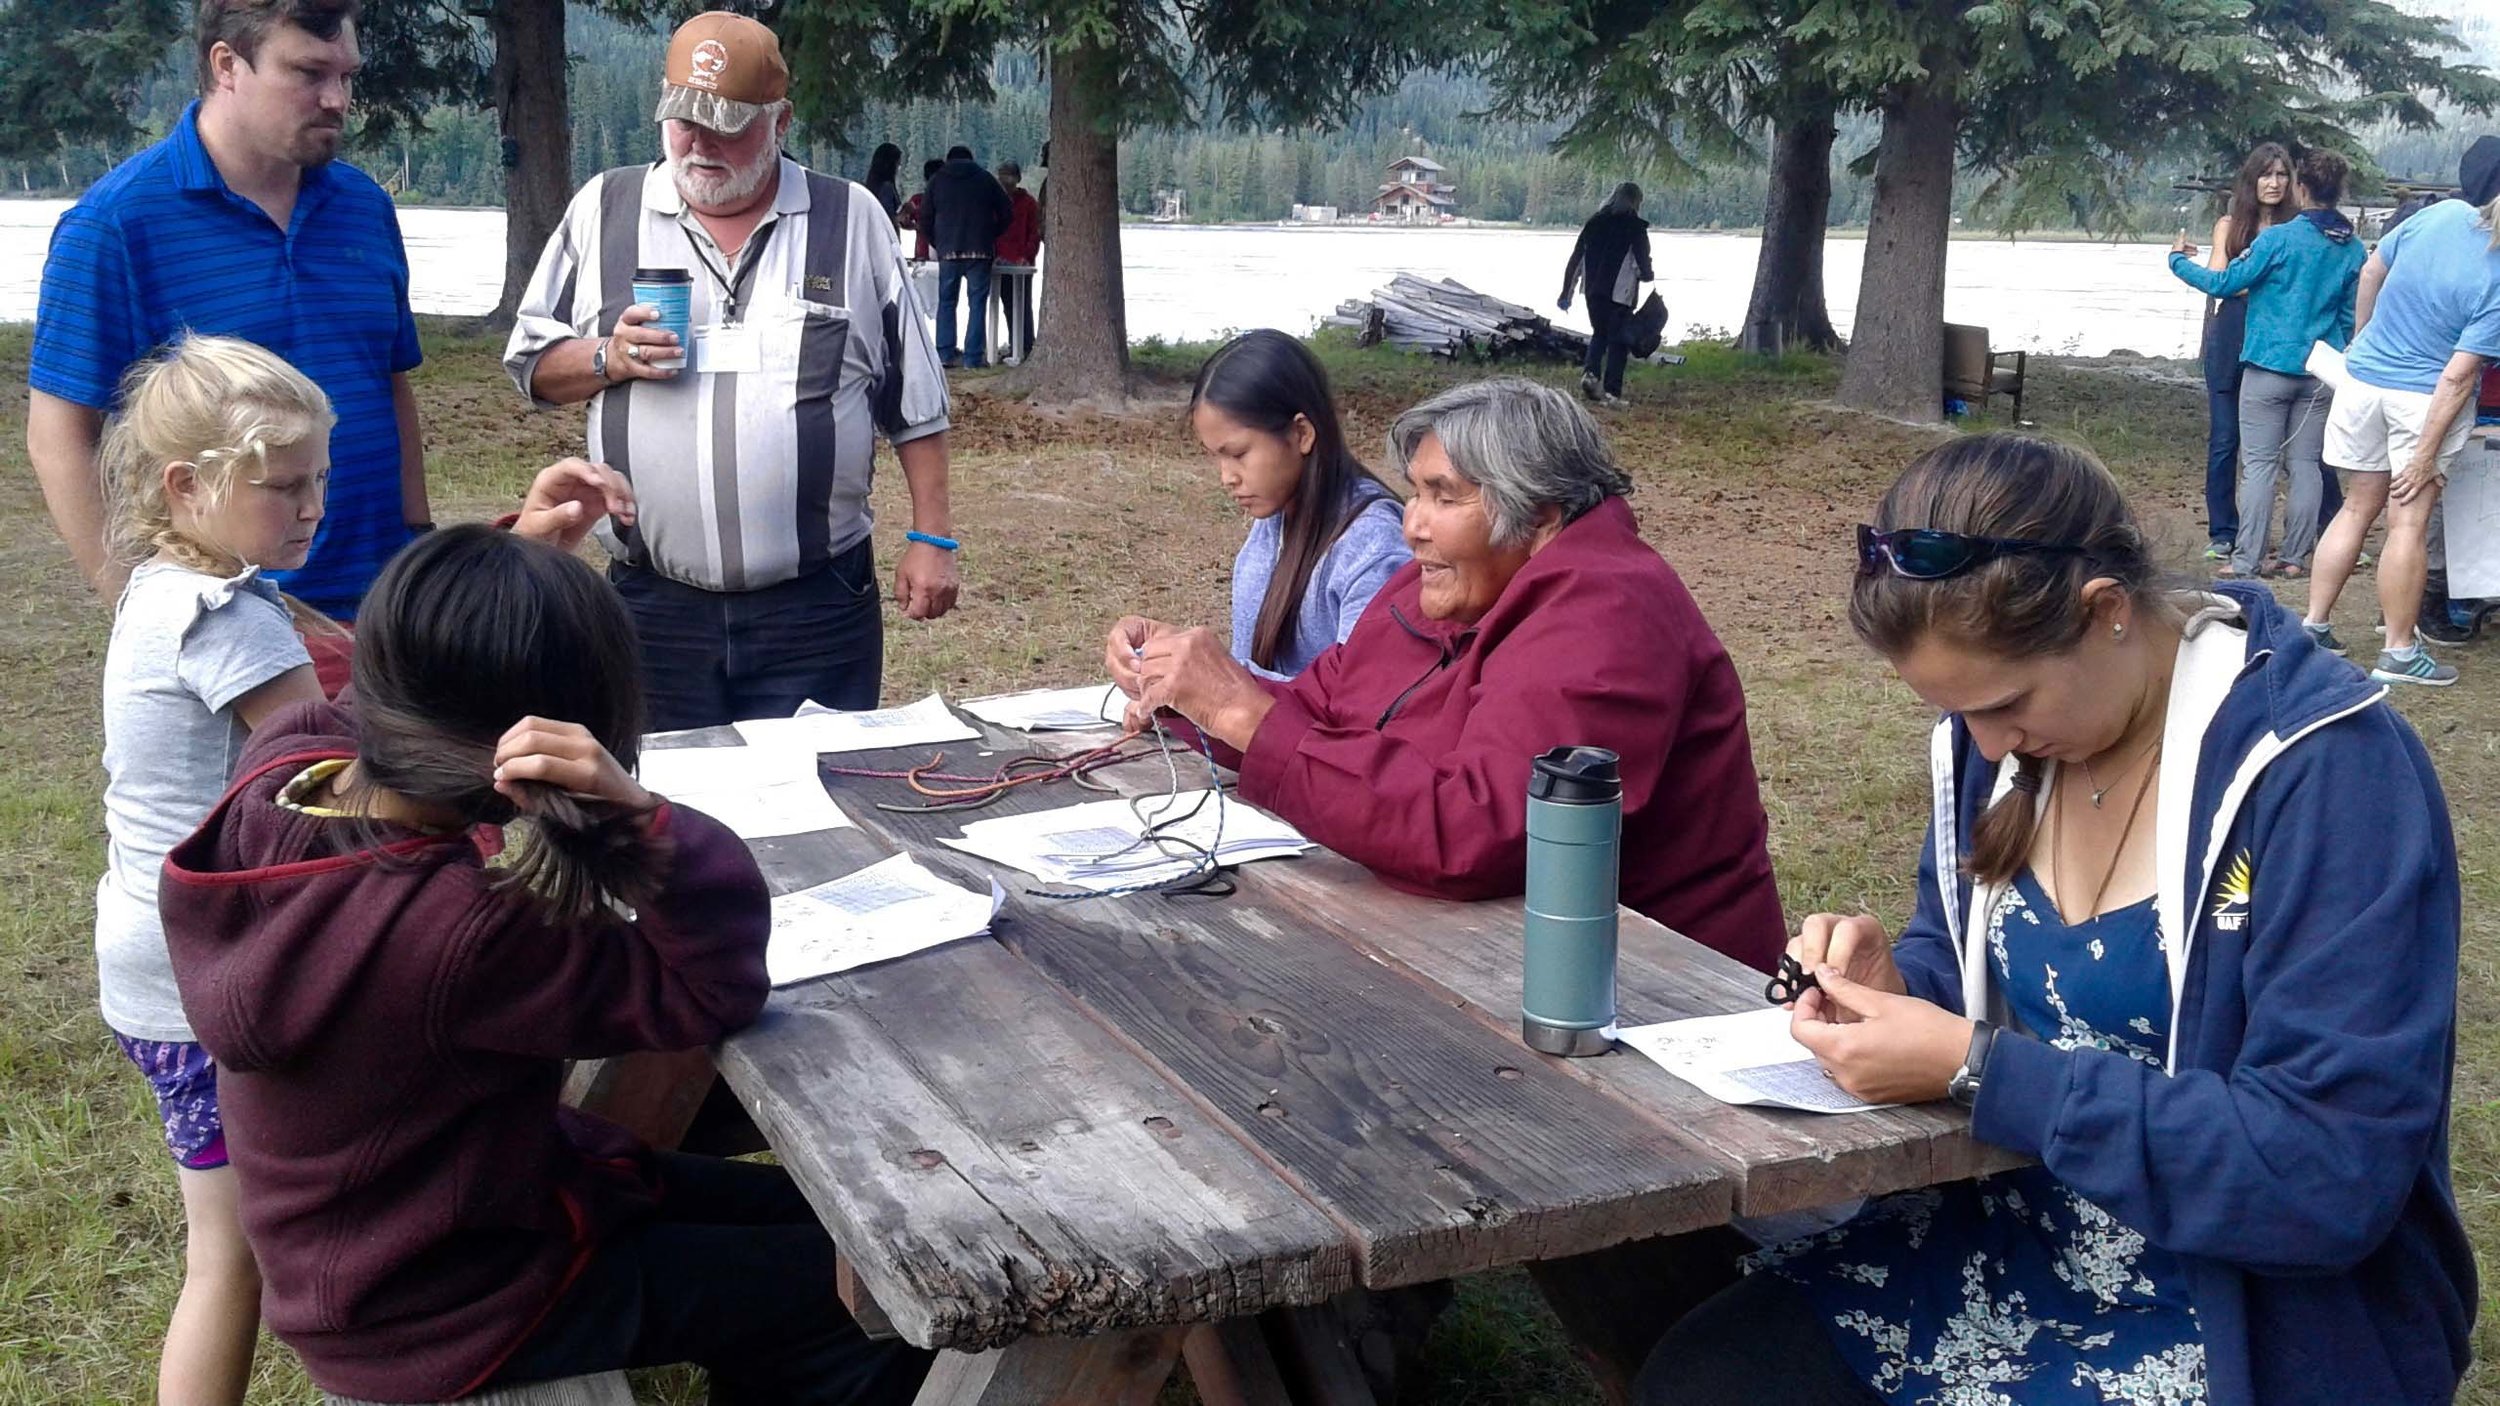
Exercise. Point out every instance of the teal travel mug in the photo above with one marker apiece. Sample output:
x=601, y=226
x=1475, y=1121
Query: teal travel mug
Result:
x=1575, y=845
x=670, y=293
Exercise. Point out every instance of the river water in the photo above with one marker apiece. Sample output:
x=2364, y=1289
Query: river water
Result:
x=1191, y=282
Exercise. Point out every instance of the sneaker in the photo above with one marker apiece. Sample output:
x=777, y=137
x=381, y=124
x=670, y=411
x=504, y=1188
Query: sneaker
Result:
x=2323, y=636
x=1588, y=388
x=2448, y=625
x=2364, y=561
x=2419, y=668
x=1614, y=401
x=2217, y=551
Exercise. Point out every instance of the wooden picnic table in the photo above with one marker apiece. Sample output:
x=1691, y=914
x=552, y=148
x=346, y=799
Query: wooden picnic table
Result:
x=1051, y=1152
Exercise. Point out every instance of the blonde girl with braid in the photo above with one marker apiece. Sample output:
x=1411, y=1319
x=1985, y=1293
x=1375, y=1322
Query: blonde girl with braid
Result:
x=215, y=468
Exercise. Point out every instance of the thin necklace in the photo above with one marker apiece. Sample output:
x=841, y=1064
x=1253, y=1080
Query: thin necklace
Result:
x=2099, y=790
x=2057, y=842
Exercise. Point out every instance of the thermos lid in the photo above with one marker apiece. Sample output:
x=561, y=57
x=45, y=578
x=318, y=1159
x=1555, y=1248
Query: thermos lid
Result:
x=1576, y=776
x=663, y=276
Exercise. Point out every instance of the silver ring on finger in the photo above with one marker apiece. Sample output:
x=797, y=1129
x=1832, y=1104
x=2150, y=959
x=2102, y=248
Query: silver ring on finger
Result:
x=633, y=352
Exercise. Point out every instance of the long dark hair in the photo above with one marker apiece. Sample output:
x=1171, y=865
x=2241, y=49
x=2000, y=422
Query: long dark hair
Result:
x=1264, y=379
x=2247, y=215
x=1625, y=201
x=883, y=163
x=2017, y=606
x=467, y=632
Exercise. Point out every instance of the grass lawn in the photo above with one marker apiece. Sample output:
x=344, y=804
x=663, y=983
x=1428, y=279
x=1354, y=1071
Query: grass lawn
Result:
x=1748, y=482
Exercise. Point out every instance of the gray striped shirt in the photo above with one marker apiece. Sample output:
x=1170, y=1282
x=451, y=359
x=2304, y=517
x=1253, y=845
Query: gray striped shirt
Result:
x=744, y=478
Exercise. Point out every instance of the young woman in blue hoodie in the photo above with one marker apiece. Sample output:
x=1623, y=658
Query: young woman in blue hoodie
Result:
x=2186, y=933
x=2300, y=277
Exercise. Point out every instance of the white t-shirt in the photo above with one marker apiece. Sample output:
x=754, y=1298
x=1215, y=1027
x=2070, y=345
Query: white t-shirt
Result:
x=185, y=646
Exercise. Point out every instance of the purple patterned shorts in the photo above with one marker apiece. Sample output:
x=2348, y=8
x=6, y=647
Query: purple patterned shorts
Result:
x=184, y=1080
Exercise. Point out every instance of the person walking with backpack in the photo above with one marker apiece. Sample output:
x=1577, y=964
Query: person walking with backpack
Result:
x=1611, y=260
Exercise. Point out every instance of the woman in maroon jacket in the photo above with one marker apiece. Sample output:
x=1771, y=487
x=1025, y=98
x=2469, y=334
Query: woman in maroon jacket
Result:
x=1533, y=616
x=391, y=994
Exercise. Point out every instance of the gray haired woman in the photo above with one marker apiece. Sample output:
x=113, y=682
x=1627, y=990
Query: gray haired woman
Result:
x=1532, y=617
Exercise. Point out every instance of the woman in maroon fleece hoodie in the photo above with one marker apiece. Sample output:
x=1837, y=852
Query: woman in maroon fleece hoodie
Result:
x=1532, y=617
x=391, y=996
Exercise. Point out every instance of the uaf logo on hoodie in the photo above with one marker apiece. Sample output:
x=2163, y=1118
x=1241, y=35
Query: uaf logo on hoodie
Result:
x=2231, y=897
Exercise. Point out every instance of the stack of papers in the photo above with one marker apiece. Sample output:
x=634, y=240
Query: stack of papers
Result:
x=1101, y=845
x=887, y=910
x=1054, y=709
x=1746, y=1058
x=816, y=728
x=758, y=792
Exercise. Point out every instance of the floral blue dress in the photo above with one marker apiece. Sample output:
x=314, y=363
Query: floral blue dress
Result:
x=2012, y=1290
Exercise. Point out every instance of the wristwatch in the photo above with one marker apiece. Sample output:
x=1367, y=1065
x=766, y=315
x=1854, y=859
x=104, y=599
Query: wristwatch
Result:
x=1964, y=1089
x=599, y=361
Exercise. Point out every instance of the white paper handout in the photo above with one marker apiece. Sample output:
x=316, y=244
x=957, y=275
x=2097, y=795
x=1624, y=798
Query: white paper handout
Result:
x=1053, y=709
x=1101, y=845
x=1746, y=1058
x=758, y=792
x=889, y=909
x=816, y=728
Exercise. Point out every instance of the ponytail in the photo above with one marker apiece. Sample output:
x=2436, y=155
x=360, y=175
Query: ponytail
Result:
x=2001, y=842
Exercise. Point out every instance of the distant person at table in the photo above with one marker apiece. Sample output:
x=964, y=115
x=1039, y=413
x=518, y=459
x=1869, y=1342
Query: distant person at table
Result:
x=1020, y=243
x=392, y=1014
x=2430, y=323
x=1611, y=261
x=2261, y=198
x=2185, y=932
x=242, y=223
x=964, y=213
x=1325, y=535
x=750, y=572
x=1532, y=617
x=2300, y=277
x=884, y=164
x=909, y=216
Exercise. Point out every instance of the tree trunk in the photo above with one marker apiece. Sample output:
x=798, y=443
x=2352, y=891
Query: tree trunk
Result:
x=1787, y=311
x=537, y=125
x=1082, y=350
x=1896, y=350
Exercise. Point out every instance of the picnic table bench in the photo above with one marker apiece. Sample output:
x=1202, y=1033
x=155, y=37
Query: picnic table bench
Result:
x=1123, y=1128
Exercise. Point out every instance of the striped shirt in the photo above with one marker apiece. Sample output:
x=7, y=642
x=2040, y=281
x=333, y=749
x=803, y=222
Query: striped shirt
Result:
x=161, y=246
x=746, y=478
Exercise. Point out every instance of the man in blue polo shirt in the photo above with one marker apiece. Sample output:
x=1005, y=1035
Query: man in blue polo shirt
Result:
x=242, y=223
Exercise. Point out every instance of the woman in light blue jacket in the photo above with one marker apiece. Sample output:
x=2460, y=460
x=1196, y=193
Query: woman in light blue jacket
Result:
x=2300, y=277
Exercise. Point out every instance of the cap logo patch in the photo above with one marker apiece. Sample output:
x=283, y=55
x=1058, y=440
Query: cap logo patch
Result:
x=706, y=64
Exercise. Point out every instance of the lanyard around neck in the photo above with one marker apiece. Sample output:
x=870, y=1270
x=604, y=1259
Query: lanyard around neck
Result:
x=733, y=286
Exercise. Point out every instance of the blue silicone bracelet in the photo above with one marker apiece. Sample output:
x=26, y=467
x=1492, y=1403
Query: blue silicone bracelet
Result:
x=934, y=540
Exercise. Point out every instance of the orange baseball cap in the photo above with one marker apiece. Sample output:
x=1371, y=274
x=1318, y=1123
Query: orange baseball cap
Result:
x=723, y=71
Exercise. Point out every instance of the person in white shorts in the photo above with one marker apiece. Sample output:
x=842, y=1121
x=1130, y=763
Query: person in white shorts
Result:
x=2429, y=315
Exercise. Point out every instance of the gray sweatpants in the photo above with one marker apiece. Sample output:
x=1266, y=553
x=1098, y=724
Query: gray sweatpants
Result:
x=2282, y=432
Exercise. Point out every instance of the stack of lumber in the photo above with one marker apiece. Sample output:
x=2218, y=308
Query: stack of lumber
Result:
x=1442, y=317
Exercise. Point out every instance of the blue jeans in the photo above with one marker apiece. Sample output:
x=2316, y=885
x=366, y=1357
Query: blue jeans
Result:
x=2222, y=466
x=712, y=657
x=971, y=276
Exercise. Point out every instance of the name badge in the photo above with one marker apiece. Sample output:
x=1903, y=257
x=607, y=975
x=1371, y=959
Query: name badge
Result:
x=727, y=348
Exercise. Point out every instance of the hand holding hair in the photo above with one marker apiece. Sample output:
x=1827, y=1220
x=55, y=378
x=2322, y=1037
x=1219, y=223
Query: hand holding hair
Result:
x=567, y=758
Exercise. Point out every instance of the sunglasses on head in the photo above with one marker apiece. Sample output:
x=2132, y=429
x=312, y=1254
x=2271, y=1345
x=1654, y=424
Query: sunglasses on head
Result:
x=1927, y=554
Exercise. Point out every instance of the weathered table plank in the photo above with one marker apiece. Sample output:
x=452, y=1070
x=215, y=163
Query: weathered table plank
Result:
x=994, y=1164
x=1441, y=1147
x=1781, y=1160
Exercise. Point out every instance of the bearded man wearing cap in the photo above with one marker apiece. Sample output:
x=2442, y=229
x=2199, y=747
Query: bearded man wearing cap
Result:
x=748, y=568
